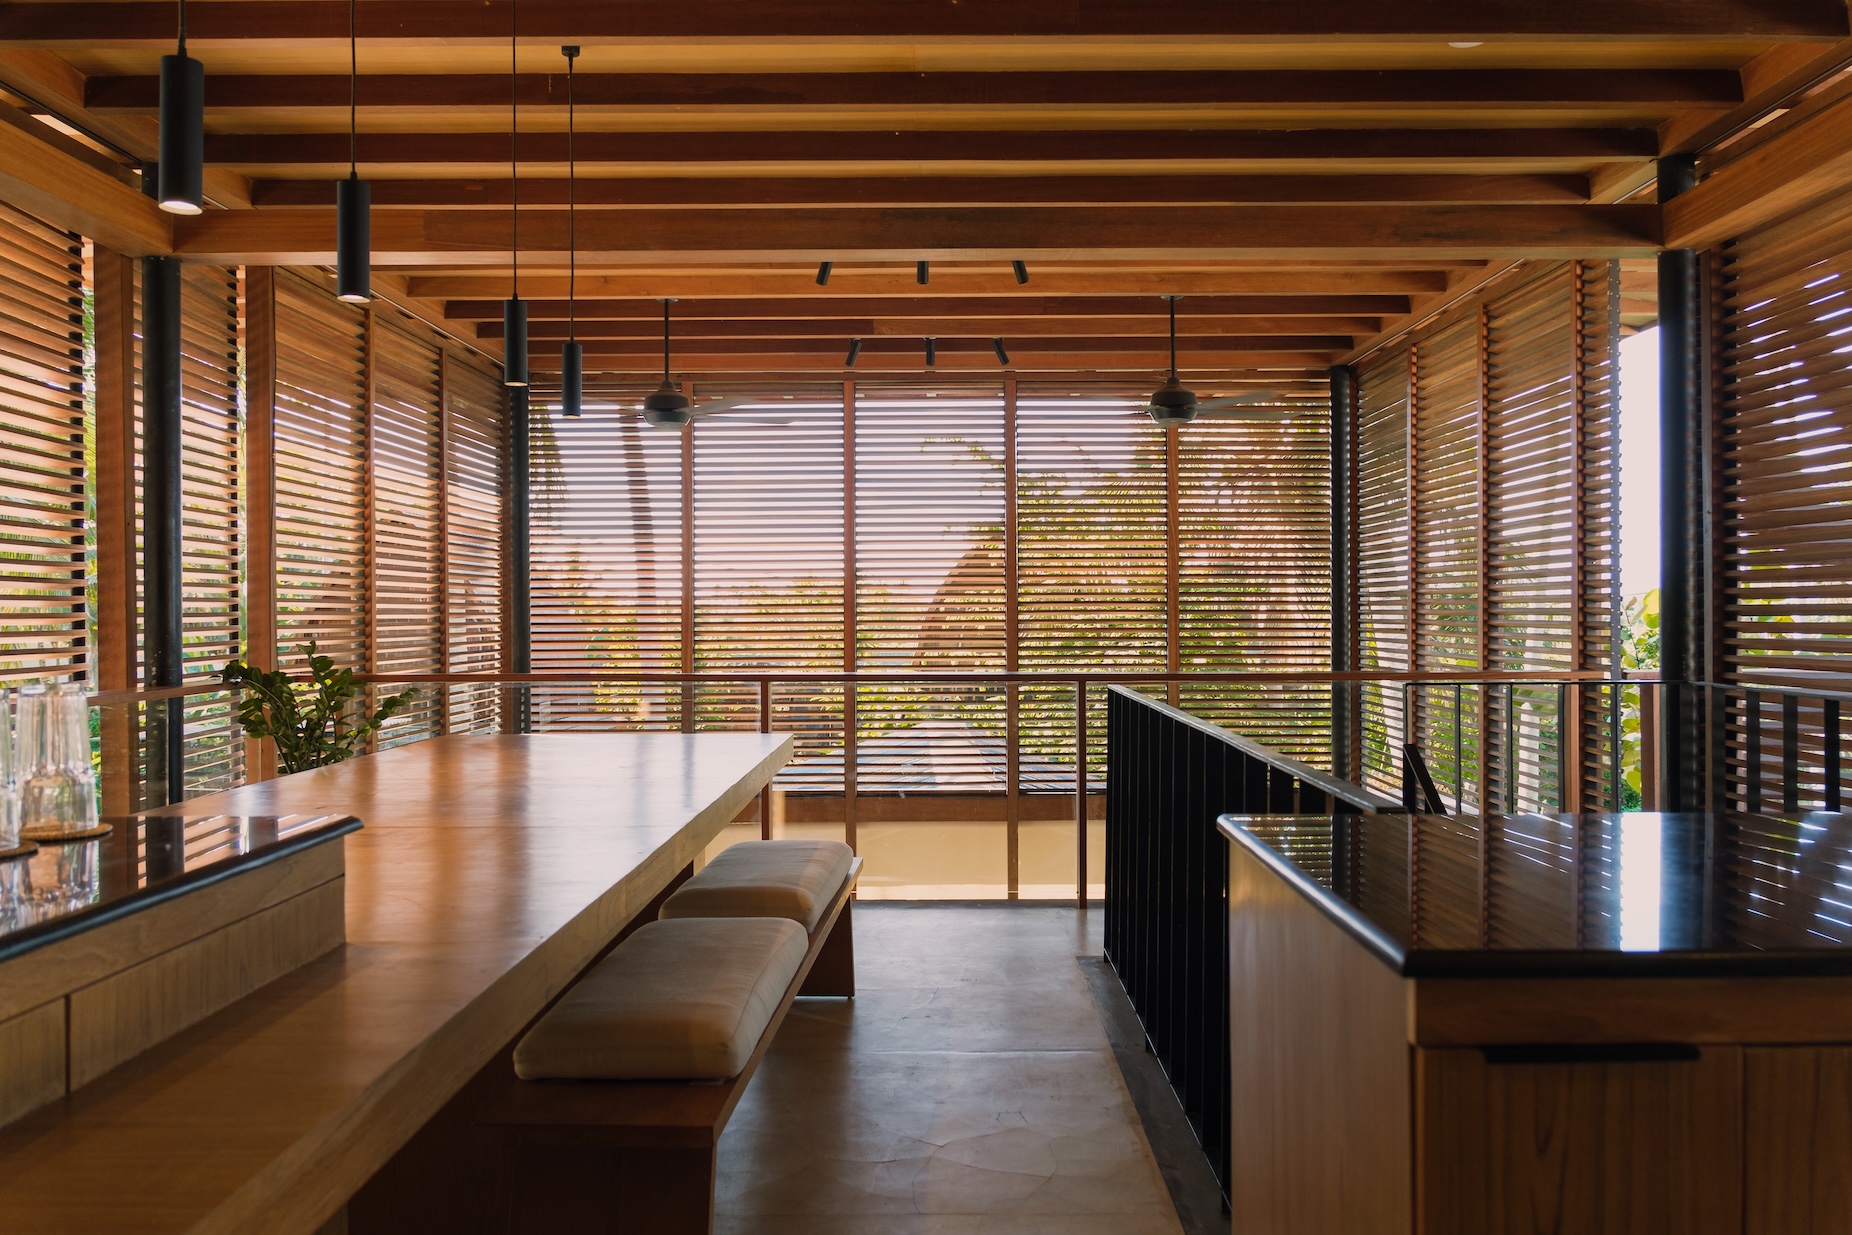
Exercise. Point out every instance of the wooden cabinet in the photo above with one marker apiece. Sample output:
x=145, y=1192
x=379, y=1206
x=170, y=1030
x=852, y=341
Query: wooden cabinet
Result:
x=1590, y=1146
x=1797, y=1130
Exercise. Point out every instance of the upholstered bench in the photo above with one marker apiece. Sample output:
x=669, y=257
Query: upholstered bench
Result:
x=631, y=1076
x=795, y=879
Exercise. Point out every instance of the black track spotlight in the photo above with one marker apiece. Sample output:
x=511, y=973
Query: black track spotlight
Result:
x=932, y=352
x=572, y=380
x=514, y=342
x=922, y=272
x=353, y=198
x=1003, y=357
x=823, y=273
x=1022, y=271
x=180, y=176
x=855, y=349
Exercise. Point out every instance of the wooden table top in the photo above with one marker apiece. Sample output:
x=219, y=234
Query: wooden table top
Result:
x=490, y=871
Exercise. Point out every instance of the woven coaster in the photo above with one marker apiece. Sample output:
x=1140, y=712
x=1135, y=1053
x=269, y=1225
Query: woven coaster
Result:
x=44, y=832
x=24, y=849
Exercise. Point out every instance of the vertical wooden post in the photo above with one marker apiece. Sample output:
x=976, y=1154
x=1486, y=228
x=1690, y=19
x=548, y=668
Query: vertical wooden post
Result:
x=442, y=723
x=850, y=661
x=113, y=285
x=1173, y=561
x=518, y=635
x=1486, y=795
x=765, y=726
x=1080, y=790
x=1344, y=708
x=1012, y=694
x=1411, y=697
x=1569, y=728
x=260, y=494
x=688, y=577
x=369, y=504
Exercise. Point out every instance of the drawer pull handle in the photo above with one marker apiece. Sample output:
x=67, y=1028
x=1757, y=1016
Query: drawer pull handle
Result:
x=1602, y=1052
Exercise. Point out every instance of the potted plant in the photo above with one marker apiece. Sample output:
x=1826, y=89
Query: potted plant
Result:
x=307, y=719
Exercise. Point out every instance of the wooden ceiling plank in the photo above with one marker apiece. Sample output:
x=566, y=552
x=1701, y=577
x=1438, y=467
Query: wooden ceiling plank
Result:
x=379, y=151
x=751, y=192
x=122, y=23
x=404, y=237
x=1527, y=88
x=1045, y=280
x=1777, y=75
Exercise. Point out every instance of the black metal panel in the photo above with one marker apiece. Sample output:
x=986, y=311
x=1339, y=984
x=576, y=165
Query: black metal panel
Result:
x=1170, y=775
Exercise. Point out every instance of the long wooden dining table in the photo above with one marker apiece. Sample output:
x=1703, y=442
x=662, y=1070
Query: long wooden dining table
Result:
x=489, y=872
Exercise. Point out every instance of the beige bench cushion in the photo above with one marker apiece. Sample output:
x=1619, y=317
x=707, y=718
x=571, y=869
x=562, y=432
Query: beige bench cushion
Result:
x=766, y=879
x=683, y=1000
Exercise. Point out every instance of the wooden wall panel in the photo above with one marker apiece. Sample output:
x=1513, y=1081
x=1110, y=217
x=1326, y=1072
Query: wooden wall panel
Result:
x=1320, y=1063
x=32, y=1060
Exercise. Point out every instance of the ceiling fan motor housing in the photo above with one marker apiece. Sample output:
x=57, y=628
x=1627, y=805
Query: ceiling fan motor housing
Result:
x=1171, y=404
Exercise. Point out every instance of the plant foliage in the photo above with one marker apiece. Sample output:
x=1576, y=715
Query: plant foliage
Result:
x=308, y=720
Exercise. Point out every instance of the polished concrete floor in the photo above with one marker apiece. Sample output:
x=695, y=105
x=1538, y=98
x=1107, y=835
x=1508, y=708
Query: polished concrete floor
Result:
x=969, y=1087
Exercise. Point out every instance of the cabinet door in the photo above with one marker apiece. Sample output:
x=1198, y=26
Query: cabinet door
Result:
x=1798, y=1142
x=1586, y=1147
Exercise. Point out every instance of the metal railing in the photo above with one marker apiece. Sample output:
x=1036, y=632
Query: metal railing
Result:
x=1167, y=882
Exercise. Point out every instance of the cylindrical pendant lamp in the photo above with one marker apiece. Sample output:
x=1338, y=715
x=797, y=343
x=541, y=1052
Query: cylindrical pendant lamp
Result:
x=353, y=241
x=514, y=342
x=180, y=176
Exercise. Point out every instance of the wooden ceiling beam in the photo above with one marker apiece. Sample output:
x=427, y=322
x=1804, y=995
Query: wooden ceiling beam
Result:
x=1530, y=89
x=953, y=146
x=998, y=308
x=1151, y=324
x=1001, y=234
x=956, y=283
x=128, y=23
x=1789, y=170
x=1148, y=362
x=751, y=191
x=691, y=349
x=77, y=194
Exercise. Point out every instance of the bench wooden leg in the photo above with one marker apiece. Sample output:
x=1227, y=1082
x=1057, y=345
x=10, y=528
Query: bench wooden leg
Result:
x=833, y=972
x=585, y=1190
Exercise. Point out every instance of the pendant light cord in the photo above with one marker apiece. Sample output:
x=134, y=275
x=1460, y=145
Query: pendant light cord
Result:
x=572, y=213
x=1173, y=337
x=353, y=92
x=182, y=27
x=514, y=146
x=665, y=340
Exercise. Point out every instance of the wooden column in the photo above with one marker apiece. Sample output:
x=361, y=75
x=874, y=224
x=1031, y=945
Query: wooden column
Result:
x=688, y=577
x=849, y=658
x=1487, y=795
x=443, y=534
x=1570, y=727
x=1344, y=708
x=113, y=283
x=519, y=633
x=1173, y=560
x=260, y=384
x=1412, y=696
x=1012, y=694
x=369, y=505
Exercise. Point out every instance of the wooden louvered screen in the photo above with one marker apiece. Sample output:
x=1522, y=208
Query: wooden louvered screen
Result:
x=321, y=445
x=43, y=628
x=1254, y=572
x=607, y=566
x=1381, y=539
x=1497, y=495
x=475, y=482
x=1784, y=572
x=406, y=440
x=212, y=544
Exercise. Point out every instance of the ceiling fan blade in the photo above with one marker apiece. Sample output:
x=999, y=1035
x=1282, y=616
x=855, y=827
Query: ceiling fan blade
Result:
x=721, y=405
x=1241, y=400
x=761, y=420
x=1260, y=415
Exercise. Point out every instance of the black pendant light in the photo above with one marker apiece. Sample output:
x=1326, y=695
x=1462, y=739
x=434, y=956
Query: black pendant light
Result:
x=353, y=197
x=180, y=175
x=514, y=309
x=572, y=356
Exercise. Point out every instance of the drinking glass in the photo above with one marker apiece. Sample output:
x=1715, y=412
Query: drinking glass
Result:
x=9, y=784
x=57, y=785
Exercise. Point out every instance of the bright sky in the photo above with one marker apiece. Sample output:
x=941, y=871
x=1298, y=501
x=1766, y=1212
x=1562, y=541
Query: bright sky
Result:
x=1639, y=482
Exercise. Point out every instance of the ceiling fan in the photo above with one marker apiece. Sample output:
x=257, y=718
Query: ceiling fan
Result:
x=668, y=408
x=1173, y=404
